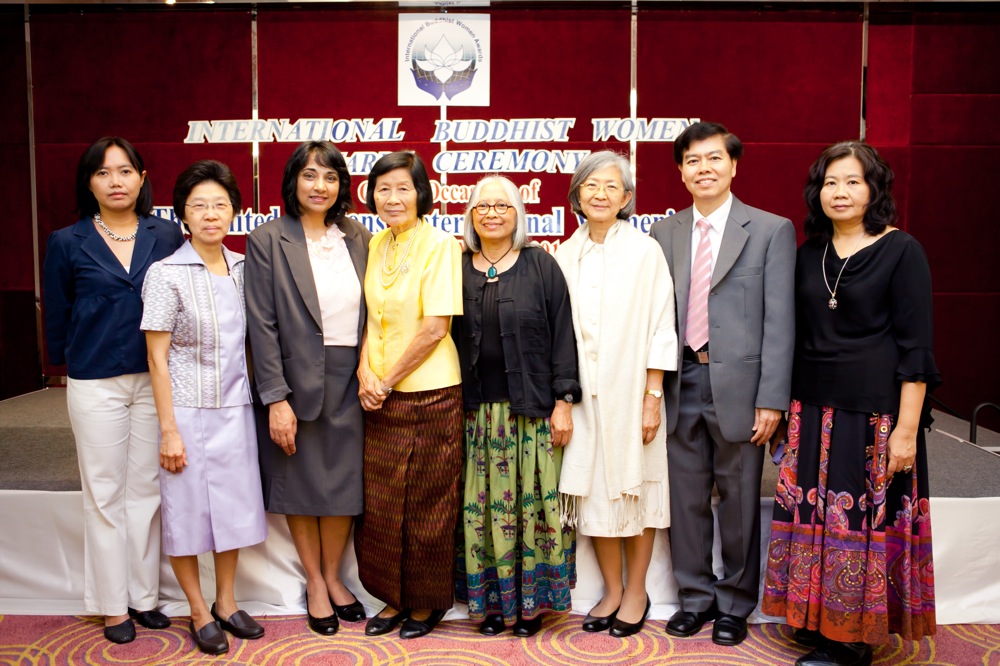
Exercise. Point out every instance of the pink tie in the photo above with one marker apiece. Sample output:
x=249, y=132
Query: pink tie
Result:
x=701, y=279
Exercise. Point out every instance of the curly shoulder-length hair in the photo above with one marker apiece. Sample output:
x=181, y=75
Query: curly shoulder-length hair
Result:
x=881, y=209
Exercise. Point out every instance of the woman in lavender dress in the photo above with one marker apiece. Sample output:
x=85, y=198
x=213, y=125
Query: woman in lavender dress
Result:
x=195, y=322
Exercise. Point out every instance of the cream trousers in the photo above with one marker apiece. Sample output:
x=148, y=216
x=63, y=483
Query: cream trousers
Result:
x=115, y=426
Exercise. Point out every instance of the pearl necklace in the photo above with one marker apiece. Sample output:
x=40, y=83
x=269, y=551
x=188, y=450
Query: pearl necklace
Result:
x=832, y=303
x=112, y=235
x=388, y=276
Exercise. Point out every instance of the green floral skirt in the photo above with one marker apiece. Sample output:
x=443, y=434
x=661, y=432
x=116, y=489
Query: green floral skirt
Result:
x=514, y=553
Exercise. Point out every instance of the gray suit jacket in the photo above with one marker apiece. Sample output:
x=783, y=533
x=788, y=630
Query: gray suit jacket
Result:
x=751, y=314
x=285, y=325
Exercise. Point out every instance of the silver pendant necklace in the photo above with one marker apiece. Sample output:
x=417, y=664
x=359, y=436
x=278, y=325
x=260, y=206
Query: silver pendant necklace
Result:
x=112, y=235
x=832, y=303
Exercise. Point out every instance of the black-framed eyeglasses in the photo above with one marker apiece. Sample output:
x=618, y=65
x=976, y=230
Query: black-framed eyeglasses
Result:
x=500, y=207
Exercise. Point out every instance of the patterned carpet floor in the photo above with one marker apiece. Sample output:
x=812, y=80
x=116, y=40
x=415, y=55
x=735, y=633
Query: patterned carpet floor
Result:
x=56, y=640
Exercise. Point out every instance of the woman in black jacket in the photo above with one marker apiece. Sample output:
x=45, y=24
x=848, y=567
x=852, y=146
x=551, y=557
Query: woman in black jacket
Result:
x=519, y=381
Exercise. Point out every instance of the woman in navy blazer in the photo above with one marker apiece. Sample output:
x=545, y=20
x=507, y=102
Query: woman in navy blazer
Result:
x=93, y=276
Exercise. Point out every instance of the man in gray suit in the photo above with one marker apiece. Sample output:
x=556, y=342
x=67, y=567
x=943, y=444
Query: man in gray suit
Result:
x=733, y=268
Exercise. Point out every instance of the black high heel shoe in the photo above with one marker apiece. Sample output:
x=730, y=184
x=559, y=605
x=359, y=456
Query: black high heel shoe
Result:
x=594, y=624
x=325, y=626
x=622, y=629
x=352, y=612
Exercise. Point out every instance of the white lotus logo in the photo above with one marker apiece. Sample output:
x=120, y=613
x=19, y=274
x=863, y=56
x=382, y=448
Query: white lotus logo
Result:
x=443, y=60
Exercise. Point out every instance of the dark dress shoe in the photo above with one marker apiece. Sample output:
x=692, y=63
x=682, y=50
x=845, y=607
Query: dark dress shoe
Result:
x=352, y=612
x=417, y=628
x=492, y=625
x=729, y=630
x=832, y=653
x=151, y=619
x=325, y=626
x=594, y=624
x=120, y=633
x=621, y=629
x=210, y=638
x=382, y=625
x=806, y=637
x=684, y=623
x=240, y=624
x=527, y=628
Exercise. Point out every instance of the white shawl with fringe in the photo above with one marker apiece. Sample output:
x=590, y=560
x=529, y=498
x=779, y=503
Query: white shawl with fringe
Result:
x=636, y=333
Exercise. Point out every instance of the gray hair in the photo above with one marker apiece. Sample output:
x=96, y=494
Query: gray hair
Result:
x=595, y=162
x=520, y=237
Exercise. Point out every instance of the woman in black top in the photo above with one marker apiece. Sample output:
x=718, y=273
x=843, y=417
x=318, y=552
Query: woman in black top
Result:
x=850, y=553
x=519, y=381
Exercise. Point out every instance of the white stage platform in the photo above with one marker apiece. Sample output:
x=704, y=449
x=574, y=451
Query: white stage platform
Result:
x=41, y=548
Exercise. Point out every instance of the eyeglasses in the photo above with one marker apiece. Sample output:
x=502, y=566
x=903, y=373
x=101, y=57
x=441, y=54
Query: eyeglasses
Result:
x=202, y=207
x=593, y=188
x=500, y=207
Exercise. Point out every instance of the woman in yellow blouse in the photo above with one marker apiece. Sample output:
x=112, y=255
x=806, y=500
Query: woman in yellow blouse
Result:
x=410, y=388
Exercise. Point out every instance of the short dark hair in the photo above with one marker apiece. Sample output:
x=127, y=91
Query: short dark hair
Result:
x=92, y=160
x=700, y=131
x=881, y=209
x=205, y=171
x=403, y=159
x=325, y=154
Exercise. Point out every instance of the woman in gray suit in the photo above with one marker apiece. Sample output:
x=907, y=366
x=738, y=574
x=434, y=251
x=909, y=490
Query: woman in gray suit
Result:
x=304, y=276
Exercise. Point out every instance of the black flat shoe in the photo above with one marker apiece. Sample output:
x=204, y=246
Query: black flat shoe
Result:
x=807, y=637
x=621, y=629
x=594, y=624
x=729, y=630
x=120, y=633
x=683, y=623
x=352, y=612
x=151, y=619
x=240, y=624
x=210, y=638
x=832, y=653
x=382, y=625
x=417, y=628
x=527, y=628
x=492, y=625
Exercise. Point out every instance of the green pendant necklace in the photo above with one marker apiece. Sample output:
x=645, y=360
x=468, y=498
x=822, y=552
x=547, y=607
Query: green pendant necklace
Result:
x=491, y=272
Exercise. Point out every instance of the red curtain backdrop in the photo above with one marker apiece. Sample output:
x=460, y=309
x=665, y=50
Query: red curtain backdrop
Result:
x=788, y=79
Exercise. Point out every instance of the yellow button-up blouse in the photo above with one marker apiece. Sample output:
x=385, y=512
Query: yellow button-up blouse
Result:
x=431, y=286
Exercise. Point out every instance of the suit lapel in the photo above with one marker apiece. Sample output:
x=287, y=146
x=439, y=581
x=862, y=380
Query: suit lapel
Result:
x=95, y=247
x=682, y=264
x=144, y=243
x=734, y=237
x=293, y=244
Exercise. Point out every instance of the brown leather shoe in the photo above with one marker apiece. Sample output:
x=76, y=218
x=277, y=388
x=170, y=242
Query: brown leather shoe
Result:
x=210, y=638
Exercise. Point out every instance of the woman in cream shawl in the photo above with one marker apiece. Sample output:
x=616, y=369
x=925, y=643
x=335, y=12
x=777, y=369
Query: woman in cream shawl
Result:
x=614, y=480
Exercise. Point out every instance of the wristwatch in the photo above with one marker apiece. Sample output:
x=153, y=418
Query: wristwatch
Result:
x=567, y=398
x=656, y=393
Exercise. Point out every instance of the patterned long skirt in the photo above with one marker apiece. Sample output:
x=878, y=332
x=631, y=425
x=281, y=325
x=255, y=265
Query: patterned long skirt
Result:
x=513, y=553
x=405, y=541
x=850, y=554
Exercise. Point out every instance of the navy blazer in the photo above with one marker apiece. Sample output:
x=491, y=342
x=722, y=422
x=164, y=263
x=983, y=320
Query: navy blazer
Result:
x=92, y=306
